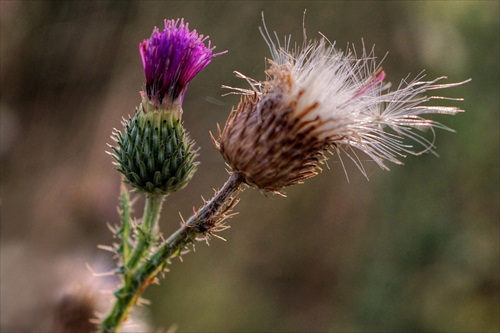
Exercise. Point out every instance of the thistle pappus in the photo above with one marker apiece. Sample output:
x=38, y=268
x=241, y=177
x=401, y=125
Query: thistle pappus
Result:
x=316, y=98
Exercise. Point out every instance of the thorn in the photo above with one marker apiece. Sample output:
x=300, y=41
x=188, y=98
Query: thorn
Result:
x=203, y=239
x=195, y=212
x=112, y=228
x=182, y=218
x=107, y=292
x=106, y=248
x=219, y=237
x=142, y=301
x=214, y=140
x=110, y=273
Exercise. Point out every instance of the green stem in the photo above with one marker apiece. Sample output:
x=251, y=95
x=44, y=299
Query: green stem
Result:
x=147, y=230
x=125, y=220
x=199, y=223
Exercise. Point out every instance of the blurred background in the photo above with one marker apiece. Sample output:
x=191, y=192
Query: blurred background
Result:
x=414, y=249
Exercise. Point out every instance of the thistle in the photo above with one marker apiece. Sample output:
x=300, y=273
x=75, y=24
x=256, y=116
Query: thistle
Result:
x=155, y=154
x=317, y=99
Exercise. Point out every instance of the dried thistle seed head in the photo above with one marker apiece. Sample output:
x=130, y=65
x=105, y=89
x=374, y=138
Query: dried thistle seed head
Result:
x=269, y=138
x=155, y=153
x=316, y=98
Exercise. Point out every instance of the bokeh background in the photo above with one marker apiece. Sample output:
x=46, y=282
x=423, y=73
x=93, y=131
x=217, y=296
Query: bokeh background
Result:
x=414, y=249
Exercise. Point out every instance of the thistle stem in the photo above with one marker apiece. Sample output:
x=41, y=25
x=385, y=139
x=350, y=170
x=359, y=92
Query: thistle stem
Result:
x=205, y=219
x=146, y=230
x=126, y=221
x=197, y=224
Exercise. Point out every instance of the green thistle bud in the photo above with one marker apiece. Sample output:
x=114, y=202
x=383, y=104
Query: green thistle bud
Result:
x=155, y=153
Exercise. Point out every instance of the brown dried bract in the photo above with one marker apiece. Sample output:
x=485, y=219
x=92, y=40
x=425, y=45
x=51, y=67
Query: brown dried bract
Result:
x=269, y=141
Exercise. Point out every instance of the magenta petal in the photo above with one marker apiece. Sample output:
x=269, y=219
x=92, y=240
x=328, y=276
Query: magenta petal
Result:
x=171, y=58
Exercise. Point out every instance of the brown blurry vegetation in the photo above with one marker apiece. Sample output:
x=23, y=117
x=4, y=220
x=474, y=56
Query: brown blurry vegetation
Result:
x=415, y=249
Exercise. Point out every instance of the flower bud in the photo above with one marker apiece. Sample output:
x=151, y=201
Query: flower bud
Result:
x=155, y=153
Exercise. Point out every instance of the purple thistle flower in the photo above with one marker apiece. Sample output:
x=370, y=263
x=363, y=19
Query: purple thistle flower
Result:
x=171, y=59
